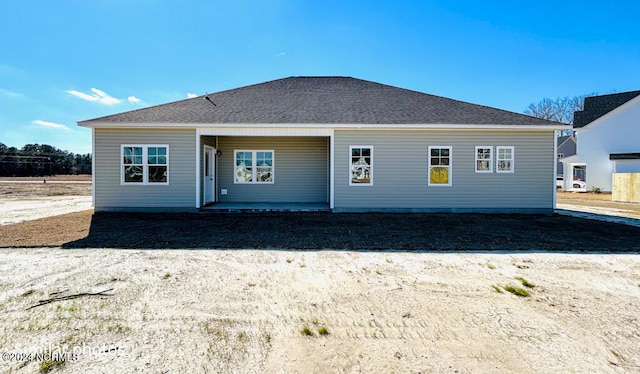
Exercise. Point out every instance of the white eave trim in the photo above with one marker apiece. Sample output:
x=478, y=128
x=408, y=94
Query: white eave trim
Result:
x=331, y=126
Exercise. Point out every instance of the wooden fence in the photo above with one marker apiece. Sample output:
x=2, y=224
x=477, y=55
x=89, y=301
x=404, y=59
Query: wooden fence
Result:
x=626, y=187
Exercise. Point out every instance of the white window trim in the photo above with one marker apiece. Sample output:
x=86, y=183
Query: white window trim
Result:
x=512, y=159
x=351, y=147
x=254, y=166
x=450, y=166
x=477, y=159
x=145, y=165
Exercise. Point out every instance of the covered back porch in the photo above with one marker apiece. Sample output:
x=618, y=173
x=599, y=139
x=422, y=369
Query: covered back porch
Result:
x=251, y=170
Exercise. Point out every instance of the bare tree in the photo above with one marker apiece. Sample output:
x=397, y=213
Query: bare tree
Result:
x=559, y=109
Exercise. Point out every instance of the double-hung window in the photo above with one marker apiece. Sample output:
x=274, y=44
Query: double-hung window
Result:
x=144, y=164
x=253, y=167
x=440, y=166
x=505, y=159
x=361, y=165
x=484, y=159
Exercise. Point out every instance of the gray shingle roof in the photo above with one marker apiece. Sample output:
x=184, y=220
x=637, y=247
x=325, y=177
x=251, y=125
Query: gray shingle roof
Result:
x=320, y=100
x=597, y=106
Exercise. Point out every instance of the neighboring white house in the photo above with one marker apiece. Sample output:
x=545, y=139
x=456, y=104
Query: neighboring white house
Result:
x=608, y=133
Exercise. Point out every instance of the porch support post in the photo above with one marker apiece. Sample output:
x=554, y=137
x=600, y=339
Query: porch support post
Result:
x=93, y=167
x=331, y=169
x=555, y=168
x=198, y=145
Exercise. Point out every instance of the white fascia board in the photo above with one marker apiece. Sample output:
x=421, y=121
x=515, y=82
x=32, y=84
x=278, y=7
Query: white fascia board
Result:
x=393, y=127
x=264, y=131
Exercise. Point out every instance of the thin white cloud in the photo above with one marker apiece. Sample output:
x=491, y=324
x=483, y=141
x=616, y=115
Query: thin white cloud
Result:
x=50, y=124
x=191, y=95
x=97, y=96
x=11, y=94
x=282, y=54
x=104, y=98
x=133, y=99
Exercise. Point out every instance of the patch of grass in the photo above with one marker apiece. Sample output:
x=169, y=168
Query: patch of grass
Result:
x=497, y=288
x=118, y=328
x=378, y=271
x=617, y=355
x=516, y=291
x=71, y=340
x=49, y=364
x=67, y=310
x=323, y=331
x=27, y=292
x=289, y=260
x=36, y=326
x=525, y=282
x=267, y=337
x=166, y=275
x=306, y=331
x=491, y=266
x=210, y=328
x=242, y=337
x=389, y=261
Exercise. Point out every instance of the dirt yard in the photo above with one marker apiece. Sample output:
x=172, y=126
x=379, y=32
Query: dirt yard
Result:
x=393, y=298
x=60, y=185
x=244, y=311
x=24, y=199
x=598, y=204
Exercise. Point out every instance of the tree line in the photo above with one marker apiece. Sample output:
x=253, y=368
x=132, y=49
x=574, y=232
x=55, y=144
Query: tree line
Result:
x=560, y=109
x=39, y=160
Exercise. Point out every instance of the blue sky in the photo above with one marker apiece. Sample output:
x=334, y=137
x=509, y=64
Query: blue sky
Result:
x=68, y=60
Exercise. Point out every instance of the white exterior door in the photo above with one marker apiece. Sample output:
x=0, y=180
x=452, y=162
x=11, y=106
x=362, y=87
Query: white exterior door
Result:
x=209, y=174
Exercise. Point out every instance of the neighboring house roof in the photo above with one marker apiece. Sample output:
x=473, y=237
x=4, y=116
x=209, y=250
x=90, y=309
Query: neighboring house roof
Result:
x=564, y=139
x=624, y=156
x=597, y=106
x=319, y=100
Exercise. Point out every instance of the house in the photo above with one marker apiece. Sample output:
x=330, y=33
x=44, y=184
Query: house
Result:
x=335, y=143
x=566, y=147
x=608, y=133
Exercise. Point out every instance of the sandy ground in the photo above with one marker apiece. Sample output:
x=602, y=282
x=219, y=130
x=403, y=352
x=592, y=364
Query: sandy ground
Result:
x=14, y=210
x=242, y=311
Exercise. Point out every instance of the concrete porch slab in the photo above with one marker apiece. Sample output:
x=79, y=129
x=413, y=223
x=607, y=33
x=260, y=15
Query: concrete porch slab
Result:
x=265, y=207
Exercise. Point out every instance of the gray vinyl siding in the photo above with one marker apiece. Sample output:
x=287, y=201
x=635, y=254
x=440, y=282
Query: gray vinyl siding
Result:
x=400, y=171
x=179, y=194
x=300, y=169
